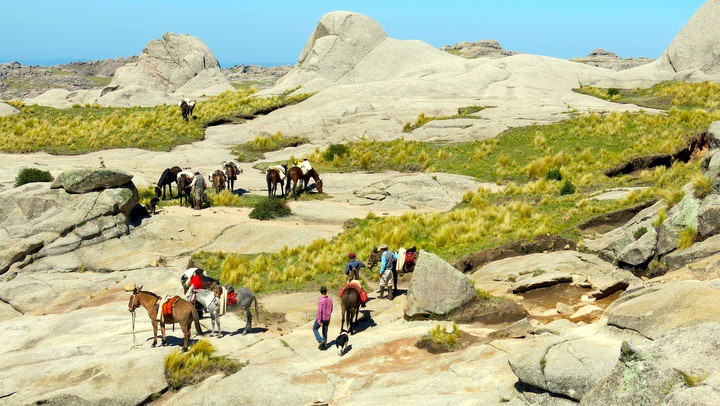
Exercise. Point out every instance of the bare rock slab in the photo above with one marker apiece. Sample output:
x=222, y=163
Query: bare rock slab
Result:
x=541, y=281
x=88, y=180
x=437, y=287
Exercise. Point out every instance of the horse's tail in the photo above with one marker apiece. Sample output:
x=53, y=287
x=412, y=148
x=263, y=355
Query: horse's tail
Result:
x=257, y=312
x=196, y=319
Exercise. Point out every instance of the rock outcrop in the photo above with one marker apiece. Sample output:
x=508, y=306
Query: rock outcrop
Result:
x=609, y=60
x=437, y=288
x=478, y=49
x=7, y=110
x=88, y=180
x=696, y=47
x=37, y=221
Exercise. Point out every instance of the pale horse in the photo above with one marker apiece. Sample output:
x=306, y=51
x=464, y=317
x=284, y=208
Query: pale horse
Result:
x=212, y=302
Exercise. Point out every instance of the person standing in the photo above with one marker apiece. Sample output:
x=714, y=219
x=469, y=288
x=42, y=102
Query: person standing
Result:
x=198, y=186
x=322, y=320
x=352, y=269
x=387, y=266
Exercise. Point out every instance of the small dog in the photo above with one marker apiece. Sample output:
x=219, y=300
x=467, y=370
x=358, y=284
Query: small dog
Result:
x=341, y=342
x=152, y=206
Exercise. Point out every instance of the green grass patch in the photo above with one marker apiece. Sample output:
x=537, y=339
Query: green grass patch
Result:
x=440, y=339
x=665, y=95
x=32, y=175
x=270, y=208
x=90, y=128
x=255, y=149
x=197, y=364
x=463, y=112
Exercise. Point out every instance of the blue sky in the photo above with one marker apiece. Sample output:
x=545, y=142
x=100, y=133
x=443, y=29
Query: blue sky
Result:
x=273, y=32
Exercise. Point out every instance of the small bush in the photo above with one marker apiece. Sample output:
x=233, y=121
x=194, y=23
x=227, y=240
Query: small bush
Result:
x=440, y=339
x=483, y=295
x=554, y=174
x=640, y=232
x=701, y=185
x=197, y=364
x=613, y=92
x=567, y=188
x=271, y=208
x=32, y=175
x=687, y=237
x=335, y=150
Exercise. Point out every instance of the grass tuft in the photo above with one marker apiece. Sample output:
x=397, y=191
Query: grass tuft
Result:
x=197, y=364
x=688, y=236
x=270, y=208
x=32, y=175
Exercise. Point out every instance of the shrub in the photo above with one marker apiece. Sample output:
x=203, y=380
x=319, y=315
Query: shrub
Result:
x=196, y=364
x=554, y=174
x=640, y=232
x=32, y=175
x=613, y=92
x=483, y=295
x=271, y=208
x=567, y=188
x=440, y=337
x=687, y=237
x=335, y=150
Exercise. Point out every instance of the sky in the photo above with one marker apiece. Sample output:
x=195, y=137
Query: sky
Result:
x=274, y=32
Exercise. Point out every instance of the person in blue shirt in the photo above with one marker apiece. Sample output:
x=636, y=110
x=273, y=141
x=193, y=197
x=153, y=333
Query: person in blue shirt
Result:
x=352, y=269
x=387, y=268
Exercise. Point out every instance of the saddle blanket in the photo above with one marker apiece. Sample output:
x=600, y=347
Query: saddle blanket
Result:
x=166, y=307
x=363, y=294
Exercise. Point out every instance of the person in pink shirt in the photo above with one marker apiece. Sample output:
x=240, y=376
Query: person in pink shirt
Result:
x=325, y=307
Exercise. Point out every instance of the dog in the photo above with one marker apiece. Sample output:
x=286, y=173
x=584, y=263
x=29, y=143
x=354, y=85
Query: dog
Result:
x=341, y=342
x=152, y=206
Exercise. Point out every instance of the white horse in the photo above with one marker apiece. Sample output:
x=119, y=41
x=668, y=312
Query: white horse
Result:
x=212, y=301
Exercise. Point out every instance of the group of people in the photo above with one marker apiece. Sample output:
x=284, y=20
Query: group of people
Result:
x=197, y=185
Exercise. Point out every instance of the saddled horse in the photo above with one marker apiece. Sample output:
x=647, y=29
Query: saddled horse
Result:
x=218, y=180
x=210, y=300
x=273, y=180
x=245, y=298
x=350, y=303
x=168, y=177
x=184, y=189
x=183, y=313
x=295, y=175
x=231, y=172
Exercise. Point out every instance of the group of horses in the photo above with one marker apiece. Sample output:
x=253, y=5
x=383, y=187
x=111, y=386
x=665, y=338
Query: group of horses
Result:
x=294, y=177
x=186, y=314
x=220, y=180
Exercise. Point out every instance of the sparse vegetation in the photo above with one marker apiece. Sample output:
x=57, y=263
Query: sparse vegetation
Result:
x=255, y=149
x=640, y=232
x=270, y=208
x=445, y=340
x=701, y=185
x=463, y=112
x=32, y=175
x=665, y=95
x=196, y=365
x=688, y=236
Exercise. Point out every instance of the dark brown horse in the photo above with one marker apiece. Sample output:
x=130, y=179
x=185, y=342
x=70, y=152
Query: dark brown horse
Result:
x=231, y=172
x=218, y=180
x=168, y=177
x=295, y=176
x=183, y=313
x=350, y=302
x=184, y=189
x=273, y=180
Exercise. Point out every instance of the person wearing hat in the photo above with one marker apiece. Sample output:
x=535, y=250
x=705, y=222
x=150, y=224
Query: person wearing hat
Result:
x=198, y=186
x=387, y=267
x=352, y=269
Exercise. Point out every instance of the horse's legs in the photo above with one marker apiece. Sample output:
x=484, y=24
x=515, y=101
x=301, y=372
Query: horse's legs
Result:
x=217, y=318
x=154, y=324
x=248, y=319
x=162, y=329
x=186, y=335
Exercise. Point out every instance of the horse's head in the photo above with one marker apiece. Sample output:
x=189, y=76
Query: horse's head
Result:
x=158, y=191
x=134, y=302
x=374, y=257
x=319, y=185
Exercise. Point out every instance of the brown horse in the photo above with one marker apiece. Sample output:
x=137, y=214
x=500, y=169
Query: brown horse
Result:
x=273, y=180
x=295, y=175
x=218, y=180
x=350, y=302
x=184, y=189
x=231, y=172
x=183, y=313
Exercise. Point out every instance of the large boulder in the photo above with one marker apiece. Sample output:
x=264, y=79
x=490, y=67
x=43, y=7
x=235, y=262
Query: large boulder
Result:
x=7, y=110
x=683, y=215
x=696, y=47
x=641, y=250
x=437, y=287
x=655, y=310
x=680, y=368
x=699, y=250
x=87, y=180
x=709, y=216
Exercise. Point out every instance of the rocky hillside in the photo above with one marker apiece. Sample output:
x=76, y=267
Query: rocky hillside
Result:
x=254, y=75
x=608, y=60
x=478, y=49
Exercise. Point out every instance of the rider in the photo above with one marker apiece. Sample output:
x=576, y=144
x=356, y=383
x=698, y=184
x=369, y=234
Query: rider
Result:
x=196, y=283
x=352, y=269
x=387, y=261
x=198, y=185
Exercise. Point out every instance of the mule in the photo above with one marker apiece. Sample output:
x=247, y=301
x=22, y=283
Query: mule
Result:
x=210, y=300
x=295, y=176
x=168, y=177
x=183, y=313
x=184, y=189
x=231, y=172
x=186, y=107
x=218, y=180
x=350, y=303
x=245, y=298
x=274, y=179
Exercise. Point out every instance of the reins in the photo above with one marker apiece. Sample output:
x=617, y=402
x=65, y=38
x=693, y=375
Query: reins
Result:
x=133, y=322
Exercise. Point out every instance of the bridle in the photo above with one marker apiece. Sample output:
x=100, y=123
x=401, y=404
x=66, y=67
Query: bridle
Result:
x=134, y=303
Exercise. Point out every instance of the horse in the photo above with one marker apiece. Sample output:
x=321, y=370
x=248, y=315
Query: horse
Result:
x=186, y=106
x=231, y=172
x=183, y=313
x=184, y=189
x=273, y=179
x=350, y=302
x=245, y=298
x=295, y=175
x=210, y=300
x=218, y=180
x=168, y=177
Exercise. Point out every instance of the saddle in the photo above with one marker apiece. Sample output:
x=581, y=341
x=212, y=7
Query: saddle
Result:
x=167, y=307
x=363, y=294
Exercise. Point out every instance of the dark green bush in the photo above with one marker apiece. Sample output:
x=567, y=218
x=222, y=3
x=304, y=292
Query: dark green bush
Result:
x=613, y=91
x=335, y=150
x=567, y=188
x=270, y=208
x=32, y=175
x=640, y=232
x=554, y=174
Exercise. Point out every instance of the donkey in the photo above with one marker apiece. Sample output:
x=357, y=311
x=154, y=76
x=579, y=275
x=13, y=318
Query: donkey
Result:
x=218, y=180
x=245, y=298
x=231, y=172
x=210, y=300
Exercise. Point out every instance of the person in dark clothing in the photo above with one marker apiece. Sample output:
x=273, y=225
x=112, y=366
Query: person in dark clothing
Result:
x=352, y=269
